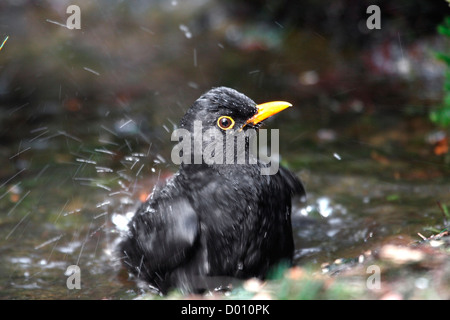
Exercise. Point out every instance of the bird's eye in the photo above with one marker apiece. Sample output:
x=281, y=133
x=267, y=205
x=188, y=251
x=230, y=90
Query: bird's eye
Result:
x=225, y=123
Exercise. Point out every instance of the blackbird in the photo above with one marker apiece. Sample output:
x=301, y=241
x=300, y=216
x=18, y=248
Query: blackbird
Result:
x=212, y=223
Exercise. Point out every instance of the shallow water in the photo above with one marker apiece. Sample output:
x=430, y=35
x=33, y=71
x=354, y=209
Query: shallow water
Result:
x=72, y=210
x=80, y=149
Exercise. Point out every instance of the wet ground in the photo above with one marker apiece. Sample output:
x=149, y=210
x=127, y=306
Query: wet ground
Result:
x=76, y=162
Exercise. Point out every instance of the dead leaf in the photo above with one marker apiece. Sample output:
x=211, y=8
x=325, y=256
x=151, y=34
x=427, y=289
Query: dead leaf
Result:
x=401, y=255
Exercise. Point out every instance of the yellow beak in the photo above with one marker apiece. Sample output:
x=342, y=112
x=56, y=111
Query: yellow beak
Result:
x=268, y=109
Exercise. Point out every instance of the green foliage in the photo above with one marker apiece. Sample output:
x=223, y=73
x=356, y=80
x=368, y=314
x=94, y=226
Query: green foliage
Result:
x=441, y=115
x=445, y=210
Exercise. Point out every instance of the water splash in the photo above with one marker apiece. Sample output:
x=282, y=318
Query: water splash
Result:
x=186, y=31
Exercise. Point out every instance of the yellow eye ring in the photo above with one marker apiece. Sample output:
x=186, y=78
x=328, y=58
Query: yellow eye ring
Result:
x=225, y=123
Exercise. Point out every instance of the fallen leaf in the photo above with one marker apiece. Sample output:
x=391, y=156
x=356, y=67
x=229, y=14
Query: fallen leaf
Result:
x=401, y=255
x=441, y=147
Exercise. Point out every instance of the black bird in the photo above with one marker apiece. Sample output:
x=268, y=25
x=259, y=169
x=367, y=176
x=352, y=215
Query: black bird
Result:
x=212, y=223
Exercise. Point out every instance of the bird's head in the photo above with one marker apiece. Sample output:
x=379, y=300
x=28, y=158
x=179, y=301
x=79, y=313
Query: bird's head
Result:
x=229, y=111
x=219, y=116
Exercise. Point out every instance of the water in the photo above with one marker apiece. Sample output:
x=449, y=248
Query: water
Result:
x=71, y=212
x=87, y=140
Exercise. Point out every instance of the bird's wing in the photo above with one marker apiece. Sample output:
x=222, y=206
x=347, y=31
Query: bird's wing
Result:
x=295, y=185
x=162, y=236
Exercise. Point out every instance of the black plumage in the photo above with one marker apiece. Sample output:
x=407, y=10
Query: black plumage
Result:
x=212, y=223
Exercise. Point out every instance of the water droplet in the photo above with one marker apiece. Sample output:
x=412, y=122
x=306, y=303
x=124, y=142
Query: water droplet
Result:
x=186, y=31
x=337, y=156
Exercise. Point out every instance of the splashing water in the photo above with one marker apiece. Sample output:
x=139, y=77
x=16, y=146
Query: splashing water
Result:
x=186, y=31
